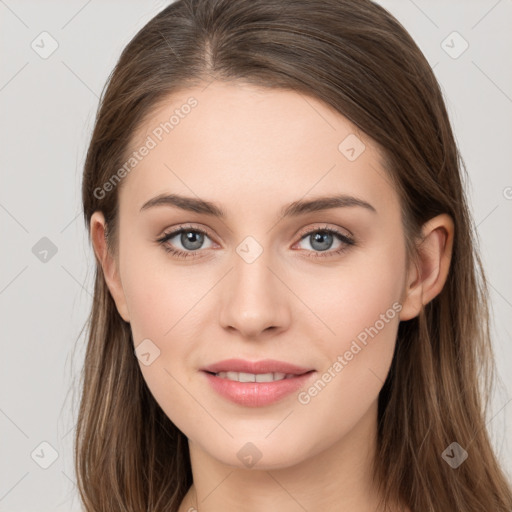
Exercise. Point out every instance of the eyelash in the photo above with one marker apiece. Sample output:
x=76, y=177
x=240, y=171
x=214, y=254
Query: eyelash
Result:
x=348, y=241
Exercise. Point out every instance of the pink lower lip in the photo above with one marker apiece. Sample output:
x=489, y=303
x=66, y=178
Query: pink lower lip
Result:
x=256, y=394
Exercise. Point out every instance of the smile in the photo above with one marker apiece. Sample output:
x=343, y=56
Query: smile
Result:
x=256, y=389
x=254, y=377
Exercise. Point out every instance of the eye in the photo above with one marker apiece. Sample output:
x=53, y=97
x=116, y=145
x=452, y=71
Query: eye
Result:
x=191, y=239
x=321, y=240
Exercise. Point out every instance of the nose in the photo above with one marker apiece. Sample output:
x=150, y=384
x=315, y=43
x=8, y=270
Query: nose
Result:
x=254, y=299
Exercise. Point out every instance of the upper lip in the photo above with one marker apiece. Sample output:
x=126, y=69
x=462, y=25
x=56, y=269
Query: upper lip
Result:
x=263, y=366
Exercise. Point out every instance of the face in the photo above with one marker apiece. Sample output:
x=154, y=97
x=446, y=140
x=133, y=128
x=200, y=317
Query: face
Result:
x=316, y=287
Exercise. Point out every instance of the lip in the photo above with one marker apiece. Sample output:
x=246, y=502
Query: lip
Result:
x=263, y=366
x=256, y=394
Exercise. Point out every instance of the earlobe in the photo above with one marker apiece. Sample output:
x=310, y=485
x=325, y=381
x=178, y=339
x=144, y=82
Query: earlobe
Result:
x=427, y=275
x=108, y=263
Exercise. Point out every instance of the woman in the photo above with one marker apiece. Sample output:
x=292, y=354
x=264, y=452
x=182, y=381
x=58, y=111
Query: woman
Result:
x=289, y=309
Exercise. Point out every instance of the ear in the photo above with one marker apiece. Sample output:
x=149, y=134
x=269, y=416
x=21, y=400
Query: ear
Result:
x=108, y=263
x=427, y=276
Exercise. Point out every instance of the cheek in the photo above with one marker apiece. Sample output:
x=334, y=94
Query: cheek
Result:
x=164, y=307
x=360, y=309
x=361, y=295
x=156, y=294
x=161, y=306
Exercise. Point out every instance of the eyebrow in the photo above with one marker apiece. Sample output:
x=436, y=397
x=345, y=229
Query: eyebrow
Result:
x=293, y=209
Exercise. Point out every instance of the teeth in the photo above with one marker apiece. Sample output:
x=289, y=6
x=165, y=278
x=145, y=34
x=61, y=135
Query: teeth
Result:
x=253, y=377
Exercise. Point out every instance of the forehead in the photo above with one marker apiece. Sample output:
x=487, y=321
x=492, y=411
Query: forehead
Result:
x=250, y=147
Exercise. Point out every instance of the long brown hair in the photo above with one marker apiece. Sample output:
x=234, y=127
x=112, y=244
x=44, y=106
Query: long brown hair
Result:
x=354, y=56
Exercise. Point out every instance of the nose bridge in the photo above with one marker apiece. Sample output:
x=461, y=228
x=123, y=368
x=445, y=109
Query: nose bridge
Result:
x=254, y=297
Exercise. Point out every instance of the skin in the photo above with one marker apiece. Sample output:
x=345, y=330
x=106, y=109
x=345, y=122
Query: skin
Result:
x=252, y=151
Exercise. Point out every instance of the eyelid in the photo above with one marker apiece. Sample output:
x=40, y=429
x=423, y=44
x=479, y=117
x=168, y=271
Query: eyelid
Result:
x=301, y=233
x=325, y=227
x=185, y=227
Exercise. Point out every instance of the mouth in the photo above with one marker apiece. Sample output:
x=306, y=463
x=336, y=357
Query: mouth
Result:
x=255, y=377
x=281, y=369
x=256, y=384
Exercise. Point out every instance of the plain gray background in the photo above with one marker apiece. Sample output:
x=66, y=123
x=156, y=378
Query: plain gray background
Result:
x=47, y=111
